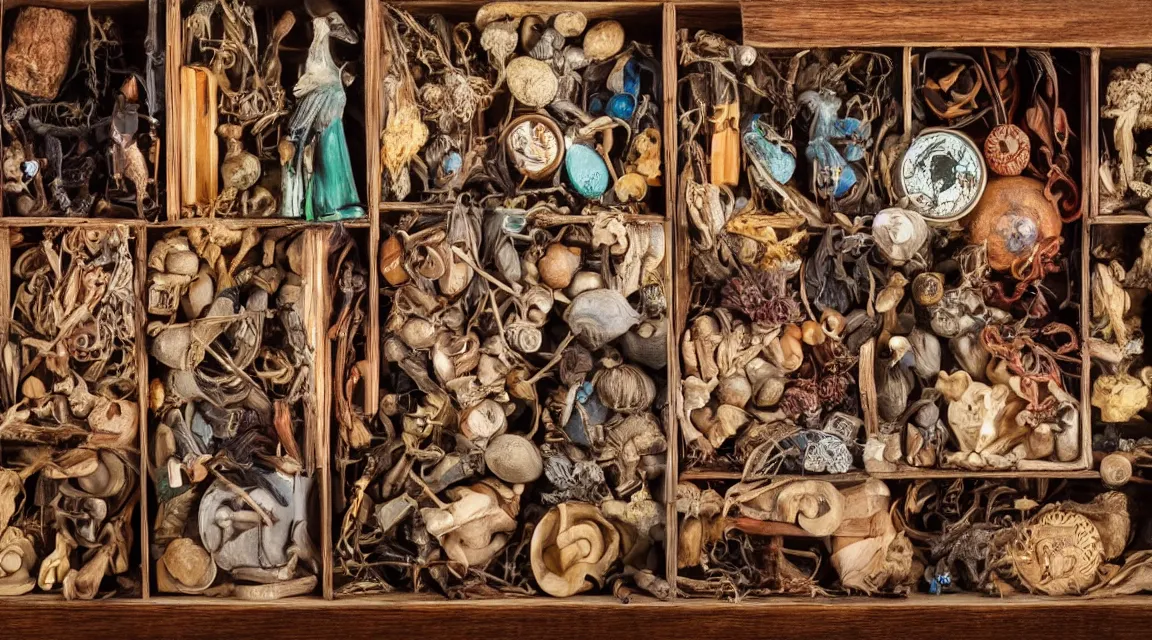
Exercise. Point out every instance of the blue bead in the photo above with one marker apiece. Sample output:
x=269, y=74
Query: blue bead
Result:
x=586, y=171
x=596, y=105
x=622, y=106
x=451, y=163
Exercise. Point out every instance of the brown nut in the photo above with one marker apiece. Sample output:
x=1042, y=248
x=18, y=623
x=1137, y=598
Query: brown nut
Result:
x=928, y=288
x=1007, y=150
x=812, y=333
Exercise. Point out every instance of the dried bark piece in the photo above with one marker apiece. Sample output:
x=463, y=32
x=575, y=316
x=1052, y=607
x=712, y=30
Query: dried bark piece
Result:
x=199, y=148
x=39, y=51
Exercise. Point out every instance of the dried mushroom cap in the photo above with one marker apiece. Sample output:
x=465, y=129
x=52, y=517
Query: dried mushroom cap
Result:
x=185, y=567
x=573, y=547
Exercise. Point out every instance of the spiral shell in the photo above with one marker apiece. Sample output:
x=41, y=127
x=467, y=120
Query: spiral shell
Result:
x=625, y=388
x=573, y=547
x=524, y=337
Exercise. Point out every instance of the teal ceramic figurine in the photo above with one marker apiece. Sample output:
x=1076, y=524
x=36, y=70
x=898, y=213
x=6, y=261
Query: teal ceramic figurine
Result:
x=321, y=187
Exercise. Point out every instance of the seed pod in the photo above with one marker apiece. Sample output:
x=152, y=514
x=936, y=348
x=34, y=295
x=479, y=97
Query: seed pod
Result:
x=625, y=388
x=603, y=40
x=532, y=82
x=1007, y=150
x=928, y=288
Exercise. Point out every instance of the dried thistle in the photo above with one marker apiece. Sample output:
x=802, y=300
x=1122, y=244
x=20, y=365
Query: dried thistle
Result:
x=763, y=296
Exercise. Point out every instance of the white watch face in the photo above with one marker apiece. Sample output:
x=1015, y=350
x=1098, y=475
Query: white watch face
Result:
x=943, y=175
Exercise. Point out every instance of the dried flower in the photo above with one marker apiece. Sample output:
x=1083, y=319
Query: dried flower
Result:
x=763, y=296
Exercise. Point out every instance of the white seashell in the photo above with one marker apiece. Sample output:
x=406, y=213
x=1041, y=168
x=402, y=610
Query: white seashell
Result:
x=899, y=234
x=600, y=316
x=532, y=82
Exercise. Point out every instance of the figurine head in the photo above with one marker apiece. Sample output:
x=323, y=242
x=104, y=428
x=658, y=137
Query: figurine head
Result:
x=337, y=28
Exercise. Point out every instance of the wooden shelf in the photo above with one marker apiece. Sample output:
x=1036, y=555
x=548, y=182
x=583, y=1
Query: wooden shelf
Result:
x=581, y=618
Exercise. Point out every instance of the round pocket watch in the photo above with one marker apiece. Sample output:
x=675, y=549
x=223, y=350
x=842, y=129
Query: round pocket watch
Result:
x=942, y=174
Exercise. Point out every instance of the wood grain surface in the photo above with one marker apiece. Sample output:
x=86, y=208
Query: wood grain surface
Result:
x=925, y=617
x=859, y=23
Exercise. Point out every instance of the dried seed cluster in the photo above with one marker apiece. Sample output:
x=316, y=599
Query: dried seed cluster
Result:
x=520, y=443
x=234, y=450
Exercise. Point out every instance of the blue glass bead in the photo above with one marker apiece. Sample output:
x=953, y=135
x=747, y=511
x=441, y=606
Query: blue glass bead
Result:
x=622, y=106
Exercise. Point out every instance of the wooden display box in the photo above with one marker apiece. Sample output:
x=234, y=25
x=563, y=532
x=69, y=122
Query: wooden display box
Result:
x=773, y=23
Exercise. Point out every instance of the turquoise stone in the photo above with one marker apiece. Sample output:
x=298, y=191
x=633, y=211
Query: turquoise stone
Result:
x=586, y=171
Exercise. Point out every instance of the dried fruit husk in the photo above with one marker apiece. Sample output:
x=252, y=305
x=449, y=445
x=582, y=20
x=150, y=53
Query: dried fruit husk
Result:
x=625, y=388
x=1119, y=397
x=600, y=316
x=573, y=547
x=514, y=459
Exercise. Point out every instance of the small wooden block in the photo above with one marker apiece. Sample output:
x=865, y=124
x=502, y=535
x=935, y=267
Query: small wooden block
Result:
x=39, y=51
